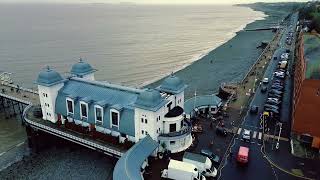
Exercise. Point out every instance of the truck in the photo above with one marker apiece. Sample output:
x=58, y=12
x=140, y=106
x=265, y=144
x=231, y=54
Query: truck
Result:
x=203, y=163
x=243, y=155
x=182, y=171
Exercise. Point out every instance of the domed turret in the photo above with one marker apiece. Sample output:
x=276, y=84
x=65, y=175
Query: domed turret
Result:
x=82, y=69
x=149, y=98
x=49, y=77
x=172, y=84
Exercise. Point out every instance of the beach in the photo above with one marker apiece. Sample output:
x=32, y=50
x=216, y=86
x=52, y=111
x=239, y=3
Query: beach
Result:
x=227, y=63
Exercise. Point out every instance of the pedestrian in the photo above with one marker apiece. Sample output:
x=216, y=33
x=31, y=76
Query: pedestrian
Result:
x=211, y=125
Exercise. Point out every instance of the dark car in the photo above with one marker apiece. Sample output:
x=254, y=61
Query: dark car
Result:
x=272, y=95
x=221, y=131
x=277, y=84
x=264, y=89
x=214, y=158
x=272, y=110
x=276, y=91
x=277, y=87
x=254, y=109
x=271, y=106
x=269, y=101
x=278, y=81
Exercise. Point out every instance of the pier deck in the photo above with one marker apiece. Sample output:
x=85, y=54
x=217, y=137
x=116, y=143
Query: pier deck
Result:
x=23, y=95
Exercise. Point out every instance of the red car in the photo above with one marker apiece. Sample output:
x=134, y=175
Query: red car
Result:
x=243, y=155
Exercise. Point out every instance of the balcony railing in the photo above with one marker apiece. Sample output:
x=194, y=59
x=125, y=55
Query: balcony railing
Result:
x=185, y=130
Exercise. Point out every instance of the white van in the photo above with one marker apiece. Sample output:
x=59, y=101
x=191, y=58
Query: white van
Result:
x=179, y=170
x=203, y=163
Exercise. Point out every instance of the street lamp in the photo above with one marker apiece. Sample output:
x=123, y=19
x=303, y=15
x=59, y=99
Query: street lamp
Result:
x=277, y=145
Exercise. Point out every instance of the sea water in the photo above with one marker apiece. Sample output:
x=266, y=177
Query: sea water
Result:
x=128, y=44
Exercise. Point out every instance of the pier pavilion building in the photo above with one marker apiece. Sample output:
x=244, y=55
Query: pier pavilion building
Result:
x=129, y=114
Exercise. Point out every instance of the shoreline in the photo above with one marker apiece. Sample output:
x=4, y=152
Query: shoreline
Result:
x=199, y=56
x=230, y=61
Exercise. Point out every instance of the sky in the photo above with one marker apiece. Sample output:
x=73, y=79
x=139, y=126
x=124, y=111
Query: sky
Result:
x=153, y=1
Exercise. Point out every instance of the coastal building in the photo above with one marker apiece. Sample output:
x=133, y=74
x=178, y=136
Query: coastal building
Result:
x=306, y=95
x=126, y=113
x=206, y=104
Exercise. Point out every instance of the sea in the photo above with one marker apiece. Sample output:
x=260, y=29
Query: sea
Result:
x=128, y=44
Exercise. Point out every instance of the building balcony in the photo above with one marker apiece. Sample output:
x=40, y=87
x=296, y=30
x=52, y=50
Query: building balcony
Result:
x=184, y=131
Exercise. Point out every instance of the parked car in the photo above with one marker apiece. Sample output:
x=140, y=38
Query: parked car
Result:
x=272, y=95
x=221, y=131
x=272, y=110
x=276, y=91
x=246, y=135
x=271, y=106
x=278, y=81
x=277, y=87
x=274, y=99
x=281, y=76
x=272, y=102
x=254, y=109
x=264, y=89
x=214, y=158
x=265, y=80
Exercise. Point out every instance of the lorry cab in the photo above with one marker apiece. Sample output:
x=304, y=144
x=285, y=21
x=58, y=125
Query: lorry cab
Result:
x=243, y=155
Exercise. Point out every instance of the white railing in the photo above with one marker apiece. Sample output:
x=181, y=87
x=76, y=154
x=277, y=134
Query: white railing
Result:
x=70, y=137
x=15, y=99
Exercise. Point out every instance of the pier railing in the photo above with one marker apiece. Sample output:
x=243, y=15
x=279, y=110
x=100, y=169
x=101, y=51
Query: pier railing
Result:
x=69, y=136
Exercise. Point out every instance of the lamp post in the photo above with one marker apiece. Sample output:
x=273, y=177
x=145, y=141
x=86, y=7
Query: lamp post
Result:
x=278, y=144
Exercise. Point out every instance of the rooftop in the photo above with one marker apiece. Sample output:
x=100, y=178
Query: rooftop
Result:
x=81, y=68
x=49, y=77
x=312, y=56
x=129, y=165
x=176, y=111
x=195, y=157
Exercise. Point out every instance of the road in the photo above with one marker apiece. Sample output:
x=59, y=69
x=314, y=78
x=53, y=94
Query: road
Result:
x=265, y=162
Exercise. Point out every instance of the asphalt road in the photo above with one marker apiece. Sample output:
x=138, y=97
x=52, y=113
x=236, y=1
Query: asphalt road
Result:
x=259, y=167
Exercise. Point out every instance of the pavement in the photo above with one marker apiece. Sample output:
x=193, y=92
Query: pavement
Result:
x=265, y=160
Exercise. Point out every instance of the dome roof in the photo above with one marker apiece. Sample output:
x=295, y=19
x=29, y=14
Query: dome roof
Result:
x=49, y=77
x=172, y=84
x=81, y=68
x=149, y=98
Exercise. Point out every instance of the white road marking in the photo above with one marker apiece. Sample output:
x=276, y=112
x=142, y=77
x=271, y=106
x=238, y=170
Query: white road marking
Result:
x=19, y=144
x=260, y=135
x=254, y=134
x=239, y=130
x=2, y=153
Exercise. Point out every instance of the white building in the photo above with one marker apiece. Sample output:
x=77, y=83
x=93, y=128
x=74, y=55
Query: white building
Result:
x=127, y=113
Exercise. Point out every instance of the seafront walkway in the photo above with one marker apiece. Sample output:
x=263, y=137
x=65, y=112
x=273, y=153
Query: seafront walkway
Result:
x=246, y=88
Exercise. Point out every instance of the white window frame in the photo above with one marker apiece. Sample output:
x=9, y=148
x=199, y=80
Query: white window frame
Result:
x=87, y=110
x=95, y=114
x=69, y=99
x=115, y=111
